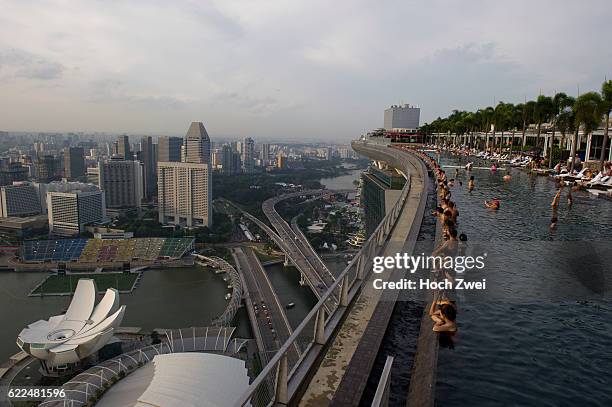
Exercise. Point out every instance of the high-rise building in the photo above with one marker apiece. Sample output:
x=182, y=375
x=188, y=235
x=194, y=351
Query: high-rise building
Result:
x=169, y=149
x=74, y=163
x=150, y=166
x=381, y=189
x=47, y=168
x=71, y=210
x=123, y=148
x=230, y=160
x=281, y=161
x=264, y=153
x=11, y=172
x=248, y=155
x=216, y=158
x=184, y=194
x=19, y=199
x=197, y=144
x=122, y=182
x=405, y=117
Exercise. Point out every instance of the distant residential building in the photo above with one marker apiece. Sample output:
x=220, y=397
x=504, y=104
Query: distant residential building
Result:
x=405, y=117
x=122, y=182
x=248, y=155
x=216, y=158
x=197, y=144
x=20, y=199
x=74, y=163
x=281, y=161
x=169, y=149
x=71, y=210
x=123, y=148
x=149, y=163
x=184, y=194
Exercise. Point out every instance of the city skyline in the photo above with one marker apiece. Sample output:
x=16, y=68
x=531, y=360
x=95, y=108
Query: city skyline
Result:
x=261, y=75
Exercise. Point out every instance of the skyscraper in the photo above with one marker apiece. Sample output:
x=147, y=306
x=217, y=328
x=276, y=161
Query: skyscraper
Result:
x=197, y=144
x=169, y=149
x=248, y=155
x=265, y=153
x=47, y=168
x=123, y=148
x=74, y=163
x=230, y=160
x=184, y=194
x=122, y=182
x=148, y=162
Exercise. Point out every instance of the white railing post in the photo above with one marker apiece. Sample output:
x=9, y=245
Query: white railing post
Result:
x=344, y=292
x=319, y=333
x=281, y=396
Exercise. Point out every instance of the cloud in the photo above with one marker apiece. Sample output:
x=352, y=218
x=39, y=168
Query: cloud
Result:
x=300, y=69
x=15, y=63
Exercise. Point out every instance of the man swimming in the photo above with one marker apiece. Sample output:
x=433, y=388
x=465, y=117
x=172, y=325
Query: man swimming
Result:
x=471, y=183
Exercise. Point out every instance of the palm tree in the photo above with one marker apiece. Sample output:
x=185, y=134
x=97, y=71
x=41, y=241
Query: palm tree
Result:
x=606, y=95
x=502, y=120
x=528, y=112
x=559, y=101
x=488, y=116
x=543, y=110
x=517, y=122
x=589, y=108
x=565, y=121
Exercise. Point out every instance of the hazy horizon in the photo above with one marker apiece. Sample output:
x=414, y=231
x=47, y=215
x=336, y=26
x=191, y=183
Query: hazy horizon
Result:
x=298, y=71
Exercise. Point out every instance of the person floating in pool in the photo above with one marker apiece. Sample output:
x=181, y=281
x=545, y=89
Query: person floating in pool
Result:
x=507, y=177
x=443, y=312
x=492, y=204
x=471, y=183
x=468, y=166
x=553, y=223
x=570, y=198
x=557, y=198
x=493, y=167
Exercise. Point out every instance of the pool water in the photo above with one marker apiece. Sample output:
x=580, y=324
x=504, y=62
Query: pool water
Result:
x=541, y=334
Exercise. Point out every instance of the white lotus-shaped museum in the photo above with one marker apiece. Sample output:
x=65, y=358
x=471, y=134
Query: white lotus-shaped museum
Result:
x=80, y=332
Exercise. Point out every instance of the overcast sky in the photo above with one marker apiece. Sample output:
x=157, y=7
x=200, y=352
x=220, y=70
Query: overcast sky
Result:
x=307, y=70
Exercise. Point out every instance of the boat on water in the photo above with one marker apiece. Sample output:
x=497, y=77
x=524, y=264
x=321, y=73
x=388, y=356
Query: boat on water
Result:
x=290, y=305
x=228, y=296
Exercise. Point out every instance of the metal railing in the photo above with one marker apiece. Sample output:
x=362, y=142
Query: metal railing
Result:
x=316, y=328
x=381, y=397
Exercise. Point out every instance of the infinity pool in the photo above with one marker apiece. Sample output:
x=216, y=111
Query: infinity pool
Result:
x=541, y=334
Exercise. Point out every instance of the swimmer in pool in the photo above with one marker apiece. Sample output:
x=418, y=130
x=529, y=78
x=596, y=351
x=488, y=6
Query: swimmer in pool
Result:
x=493, y=167
x=556, y=199
x=471, y=183
x=553, y=223
x=492, y=204
x=444, y=313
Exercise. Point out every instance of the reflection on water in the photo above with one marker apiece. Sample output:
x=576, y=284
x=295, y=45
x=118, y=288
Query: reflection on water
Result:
x=540, y=335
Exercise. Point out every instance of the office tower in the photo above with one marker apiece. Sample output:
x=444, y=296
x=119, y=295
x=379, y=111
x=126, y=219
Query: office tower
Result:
x=329, y=153
x=148, y=161
x=123, y=148
x=11, y=172
x=248, y=155
x=197, y=144
x=404, y=117
x=264, y=154
x=47, y=168
x=184, y=194
x=169, y=149
x=230, y=160
x=122, y=182
x=75, y=207
x=74, y=163
x=281, y=161
x=19, y=199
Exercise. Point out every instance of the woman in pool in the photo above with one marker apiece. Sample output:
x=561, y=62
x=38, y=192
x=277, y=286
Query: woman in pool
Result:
x=492, y=204
x=493, y=167
x=443, y=312
x=471, y=183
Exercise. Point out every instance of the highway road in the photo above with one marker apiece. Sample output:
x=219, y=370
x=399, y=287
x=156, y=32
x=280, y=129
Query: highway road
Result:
x=268, y=319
